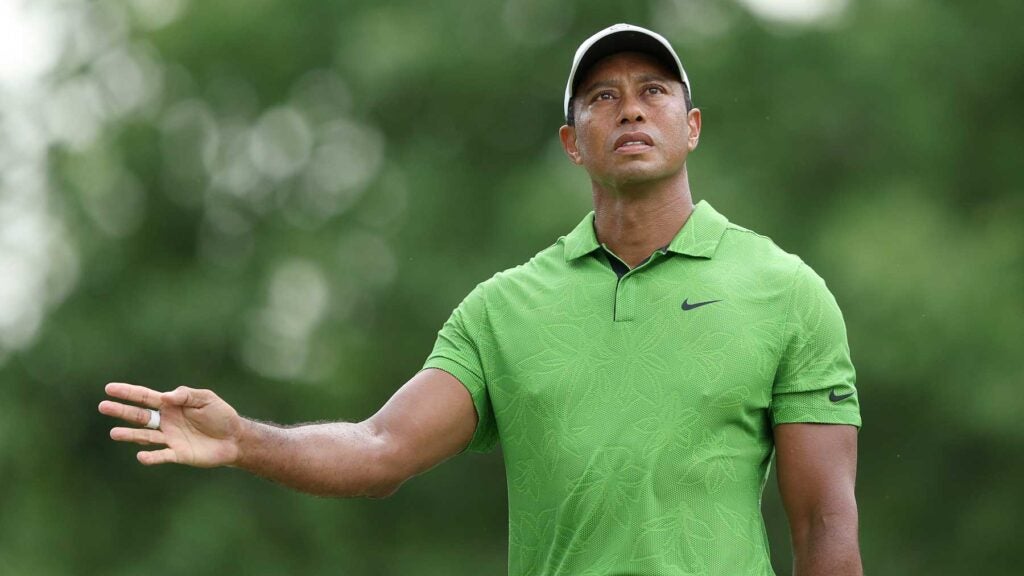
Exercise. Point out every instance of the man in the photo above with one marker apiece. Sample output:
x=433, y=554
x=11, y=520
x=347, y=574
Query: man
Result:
x=639, y=373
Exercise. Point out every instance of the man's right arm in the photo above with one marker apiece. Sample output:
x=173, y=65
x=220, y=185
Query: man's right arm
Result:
x=428, y=420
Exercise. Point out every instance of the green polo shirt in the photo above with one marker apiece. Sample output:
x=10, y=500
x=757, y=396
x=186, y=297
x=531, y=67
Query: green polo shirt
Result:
x=635, y=413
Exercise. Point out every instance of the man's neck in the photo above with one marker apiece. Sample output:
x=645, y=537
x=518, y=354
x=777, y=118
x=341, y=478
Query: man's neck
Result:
x=635, y=222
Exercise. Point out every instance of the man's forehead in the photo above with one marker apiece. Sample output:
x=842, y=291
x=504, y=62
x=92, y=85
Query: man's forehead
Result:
x=626, y=65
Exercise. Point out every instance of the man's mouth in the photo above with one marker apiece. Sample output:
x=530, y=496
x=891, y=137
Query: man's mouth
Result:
x=633, y=142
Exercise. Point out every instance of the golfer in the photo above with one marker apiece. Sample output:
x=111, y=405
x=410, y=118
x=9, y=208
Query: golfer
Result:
x=640, y=373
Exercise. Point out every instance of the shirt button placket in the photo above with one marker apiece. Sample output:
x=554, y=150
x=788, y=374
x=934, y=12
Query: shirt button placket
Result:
x=625, y=297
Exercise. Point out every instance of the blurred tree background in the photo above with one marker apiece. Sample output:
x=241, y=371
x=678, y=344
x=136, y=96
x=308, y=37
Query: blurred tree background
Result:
x=283, y=201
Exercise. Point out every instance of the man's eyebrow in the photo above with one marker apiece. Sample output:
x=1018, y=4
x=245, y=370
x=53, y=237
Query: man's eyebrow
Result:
x=614, y=83
x=653, y=78
x=599, y=84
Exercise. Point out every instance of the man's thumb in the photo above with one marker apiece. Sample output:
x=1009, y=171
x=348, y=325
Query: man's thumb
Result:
x=181, y=396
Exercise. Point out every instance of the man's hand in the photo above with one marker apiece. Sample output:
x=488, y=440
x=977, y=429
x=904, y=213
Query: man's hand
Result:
x=196, y=426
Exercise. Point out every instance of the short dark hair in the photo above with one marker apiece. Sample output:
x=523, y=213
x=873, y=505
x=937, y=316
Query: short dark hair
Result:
x=570, y=117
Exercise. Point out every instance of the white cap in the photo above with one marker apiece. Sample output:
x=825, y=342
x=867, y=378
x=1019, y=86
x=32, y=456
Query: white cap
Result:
x=621, y=38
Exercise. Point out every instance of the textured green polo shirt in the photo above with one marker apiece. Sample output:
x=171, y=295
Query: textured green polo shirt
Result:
x=635, y=413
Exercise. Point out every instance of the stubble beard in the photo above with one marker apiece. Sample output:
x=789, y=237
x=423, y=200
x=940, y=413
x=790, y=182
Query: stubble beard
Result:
x=636, y=176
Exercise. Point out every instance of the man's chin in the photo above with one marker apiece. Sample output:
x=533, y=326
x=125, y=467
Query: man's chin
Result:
x=634, y=177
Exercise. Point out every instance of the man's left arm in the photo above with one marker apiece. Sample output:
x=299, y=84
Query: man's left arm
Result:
x=817, y=468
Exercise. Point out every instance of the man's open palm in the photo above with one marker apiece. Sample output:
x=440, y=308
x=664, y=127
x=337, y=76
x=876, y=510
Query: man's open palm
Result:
x=196, y=426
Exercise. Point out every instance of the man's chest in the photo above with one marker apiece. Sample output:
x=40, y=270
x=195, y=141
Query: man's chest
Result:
x=649, y=351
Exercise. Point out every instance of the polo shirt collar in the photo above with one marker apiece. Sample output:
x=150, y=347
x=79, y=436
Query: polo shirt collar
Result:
x=582, y=240
x=699, y=237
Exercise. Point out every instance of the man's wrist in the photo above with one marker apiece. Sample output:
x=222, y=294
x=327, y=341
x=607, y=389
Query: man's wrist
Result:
x=249, y=434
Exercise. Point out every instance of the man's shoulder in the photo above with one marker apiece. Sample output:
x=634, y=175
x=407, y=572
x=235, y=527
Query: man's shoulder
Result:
x=763, y=258
x=542, y=268
x=758, y=251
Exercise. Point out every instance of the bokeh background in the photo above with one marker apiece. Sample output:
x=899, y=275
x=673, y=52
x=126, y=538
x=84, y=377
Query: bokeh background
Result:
x=284, y=200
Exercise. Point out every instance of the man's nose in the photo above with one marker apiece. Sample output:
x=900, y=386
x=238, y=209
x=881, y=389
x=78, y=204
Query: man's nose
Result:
x=631, y=111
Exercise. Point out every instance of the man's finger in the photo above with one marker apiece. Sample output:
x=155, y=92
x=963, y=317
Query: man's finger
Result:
x=138, y=435
x=152, y=457
x=135, y=394
x=187, y=397
x=127, y=413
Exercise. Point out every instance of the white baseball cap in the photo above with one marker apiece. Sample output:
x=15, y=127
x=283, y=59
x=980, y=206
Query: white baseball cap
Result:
x=621, y=38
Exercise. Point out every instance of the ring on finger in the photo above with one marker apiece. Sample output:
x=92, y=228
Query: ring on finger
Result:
x=154, y=420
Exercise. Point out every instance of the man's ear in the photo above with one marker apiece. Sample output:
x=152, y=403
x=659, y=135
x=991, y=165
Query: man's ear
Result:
x=568, y=136
x=693, y=121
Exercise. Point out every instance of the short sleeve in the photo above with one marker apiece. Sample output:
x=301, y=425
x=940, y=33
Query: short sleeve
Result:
x=815, y=380
x=457, y=351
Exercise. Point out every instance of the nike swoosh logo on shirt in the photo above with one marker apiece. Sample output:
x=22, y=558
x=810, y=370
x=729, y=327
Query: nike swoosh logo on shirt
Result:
x=837, y=397
x=688, y=306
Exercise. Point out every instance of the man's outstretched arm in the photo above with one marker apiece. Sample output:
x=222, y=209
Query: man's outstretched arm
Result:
x=428, y=420
x=817, y=469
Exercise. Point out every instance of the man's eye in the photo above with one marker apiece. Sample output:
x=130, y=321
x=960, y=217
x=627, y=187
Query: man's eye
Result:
x=604, y=96
x=654, y=90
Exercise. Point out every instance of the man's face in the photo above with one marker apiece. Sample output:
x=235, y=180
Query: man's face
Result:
x=632, y=125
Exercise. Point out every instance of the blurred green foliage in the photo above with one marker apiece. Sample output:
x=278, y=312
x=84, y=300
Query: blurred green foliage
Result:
x=283, y=201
